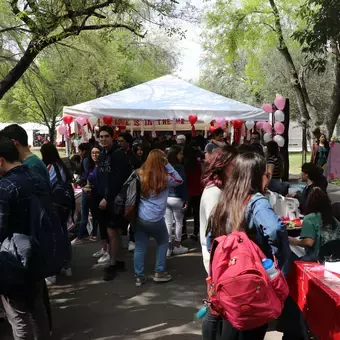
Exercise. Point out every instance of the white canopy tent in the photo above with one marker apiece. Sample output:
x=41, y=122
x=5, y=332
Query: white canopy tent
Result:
x=166, y=98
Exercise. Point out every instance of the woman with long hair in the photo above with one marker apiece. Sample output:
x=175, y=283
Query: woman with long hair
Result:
x=138, y=150
x=156, y=177
x=89, y=201
x=214, y=177
x=57, y=170
x=320, y=151
x=176, y=203
x=319, y=225
x=243, y=207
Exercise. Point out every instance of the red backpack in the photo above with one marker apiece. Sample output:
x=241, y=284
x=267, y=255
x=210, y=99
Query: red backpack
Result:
x=239, y=288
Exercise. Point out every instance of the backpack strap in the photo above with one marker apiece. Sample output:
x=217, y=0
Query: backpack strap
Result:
x=58, y=174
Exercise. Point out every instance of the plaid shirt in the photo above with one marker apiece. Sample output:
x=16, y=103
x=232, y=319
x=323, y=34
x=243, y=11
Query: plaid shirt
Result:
x=16, y=188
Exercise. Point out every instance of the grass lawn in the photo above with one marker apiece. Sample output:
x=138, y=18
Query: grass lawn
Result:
x=295, y=162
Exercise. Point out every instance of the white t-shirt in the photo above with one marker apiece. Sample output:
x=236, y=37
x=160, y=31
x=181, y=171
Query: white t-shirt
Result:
x=210, y=198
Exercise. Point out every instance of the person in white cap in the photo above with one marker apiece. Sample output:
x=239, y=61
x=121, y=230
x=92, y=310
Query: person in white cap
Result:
x=181, y=139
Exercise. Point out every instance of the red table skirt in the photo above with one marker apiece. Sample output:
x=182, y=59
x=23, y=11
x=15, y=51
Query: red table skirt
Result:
x=317, y=293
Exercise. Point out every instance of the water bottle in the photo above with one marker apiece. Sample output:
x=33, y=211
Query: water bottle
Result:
x=269, y=267
x=202, y=313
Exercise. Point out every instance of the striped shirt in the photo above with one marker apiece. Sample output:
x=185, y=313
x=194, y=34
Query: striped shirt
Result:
x=276, y=162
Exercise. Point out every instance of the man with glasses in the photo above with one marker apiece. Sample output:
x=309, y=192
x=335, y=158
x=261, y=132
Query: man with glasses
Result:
x=255, y=140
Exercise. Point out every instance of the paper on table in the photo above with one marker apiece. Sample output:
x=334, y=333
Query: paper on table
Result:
x=298, y=251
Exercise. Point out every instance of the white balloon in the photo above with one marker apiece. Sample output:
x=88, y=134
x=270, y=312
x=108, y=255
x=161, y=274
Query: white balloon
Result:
x=279, y=140
x=250, y=124
x=93, y=121
x=267, y=137
x=207, y=120
x=279, y=116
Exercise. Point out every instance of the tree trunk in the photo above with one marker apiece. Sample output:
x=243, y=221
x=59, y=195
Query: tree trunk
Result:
x=333, y=116
x=304, y=143
x=19, y=69
x=52, y=133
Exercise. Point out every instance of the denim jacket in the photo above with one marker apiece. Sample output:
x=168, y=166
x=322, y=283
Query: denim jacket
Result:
x=267, y=230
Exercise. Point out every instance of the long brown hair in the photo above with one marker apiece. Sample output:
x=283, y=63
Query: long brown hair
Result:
x=245, y=181
x=153, y=174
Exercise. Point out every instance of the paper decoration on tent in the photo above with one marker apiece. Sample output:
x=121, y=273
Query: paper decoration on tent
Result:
x=81, y=121
x=131, y=126
x=259, y=126
x=250, y=124
x=212, y=128
x=193, y=120
x=220, y=122
x=142, y=128
x=62, y=129
x=174, y=132
x=153, y=133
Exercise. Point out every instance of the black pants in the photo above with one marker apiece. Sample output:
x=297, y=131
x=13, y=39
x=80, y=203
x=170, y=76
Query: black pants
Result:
x=194, y=211
x=215, y=328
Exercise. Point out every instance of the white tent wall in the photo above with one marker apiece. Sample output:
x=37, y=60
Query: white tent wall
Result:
x=166, y=98
x=29, y=127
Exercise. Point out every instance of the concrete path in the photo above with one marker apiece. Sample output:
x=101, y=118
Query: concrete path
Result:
x=85, y=307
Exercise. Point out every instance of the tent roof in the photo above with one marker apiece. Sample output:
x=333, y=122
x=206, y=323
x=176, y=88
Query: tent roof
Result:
x=166, y=98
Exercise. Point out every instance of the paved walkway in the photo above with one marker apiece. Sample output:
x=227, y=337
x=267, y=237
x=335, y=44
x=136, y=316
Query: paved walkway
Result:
x=85, y=307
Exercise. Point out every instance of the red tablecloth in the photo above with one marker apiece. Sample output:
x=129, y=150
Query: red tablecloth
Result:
x=317, y=293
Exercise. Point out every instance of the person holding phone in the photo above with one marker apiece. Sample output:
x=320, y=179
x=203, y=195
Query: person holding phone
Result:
x=177, y=203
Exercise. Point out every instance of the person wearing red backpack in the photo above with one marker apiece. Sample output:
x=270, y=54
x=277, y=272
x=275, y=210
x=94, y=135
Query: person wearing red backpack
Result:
x=244, y=230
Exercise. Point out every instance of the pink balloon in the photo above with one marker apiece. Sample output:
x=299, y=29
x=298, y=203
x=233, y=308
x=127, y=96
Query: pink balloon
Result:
x=62, y=129
x=279, y=128
x=267, y=107
x=220, y=122
x=280, y=102
x=259, y=125
x=267, y=127
x=81, y=121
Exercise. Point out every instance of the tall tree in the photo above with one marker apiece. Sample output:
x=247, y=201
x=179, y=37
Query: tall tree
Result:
x=90, y=69
x=254, y=28
x=34, y=25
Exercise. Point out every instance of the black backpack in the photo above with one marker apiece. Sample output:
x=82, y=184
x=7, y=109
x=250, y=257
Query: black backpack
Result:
x=63, y=197
x=127, y=201
x=50, y=243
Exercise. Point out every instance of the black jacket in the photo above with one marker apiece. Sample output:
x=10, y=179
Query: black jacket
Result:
x=114, y=169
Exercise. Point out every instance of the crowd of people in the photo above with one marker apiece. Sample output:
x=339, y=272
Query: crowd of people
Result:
x=222, y=187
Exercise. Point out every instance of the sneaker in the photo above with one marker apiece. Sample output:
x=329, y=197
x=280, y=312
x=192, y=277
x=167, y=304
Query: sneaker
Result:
x=162, y=277
x=99, y=253
x=184, y=236
x=169, y=253
x=180, y=250
x=110, y=273
x=131, y=246
x=66, y=272
x=120, y=266
x=140, y=281
x=77, y=241
x=105, y=258
x=51, y=280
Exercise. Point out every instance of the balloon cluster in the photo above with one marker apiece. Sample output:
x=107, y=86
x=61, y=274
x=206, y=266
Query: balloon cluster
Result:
x=279, y=117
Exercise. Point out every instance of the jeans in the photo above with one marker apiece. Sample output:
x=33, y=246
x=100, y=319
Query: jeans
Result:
x=214, y=328
x=144, y=230
x=28, y=316
x=174, y=211
x=88, y=203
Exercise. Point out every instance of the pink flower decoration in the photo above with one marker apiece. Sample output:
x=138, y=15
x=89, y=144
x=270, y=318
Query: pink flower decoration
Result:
x=331, y=176
x=332, y=144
